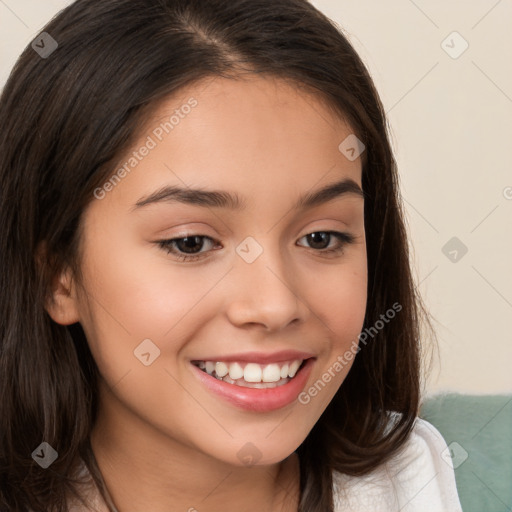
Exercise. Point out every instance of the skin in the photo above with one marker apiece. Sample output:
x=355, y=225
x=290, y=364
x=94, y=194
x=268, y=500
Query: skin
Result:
x=161, y=437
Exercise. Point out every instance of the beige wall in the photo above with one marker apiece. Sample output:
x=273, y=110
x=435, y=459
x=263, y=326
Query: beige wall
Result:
x=451, y=127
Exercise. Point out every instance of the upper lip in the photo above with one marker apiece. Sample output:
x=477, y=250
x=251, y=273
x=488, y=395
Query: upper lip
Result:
x=259, y=357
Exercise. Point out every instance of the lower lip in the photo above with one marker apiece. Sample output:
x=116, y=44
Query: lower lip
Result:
x=259, y=400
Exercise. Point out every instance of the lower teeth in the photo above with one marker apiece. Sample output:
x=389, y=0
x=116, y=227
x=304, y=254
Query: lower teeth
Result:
x=243, y=383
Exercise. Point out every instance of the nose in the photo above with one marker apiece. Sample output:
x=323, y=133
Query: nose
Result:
x=265, y=293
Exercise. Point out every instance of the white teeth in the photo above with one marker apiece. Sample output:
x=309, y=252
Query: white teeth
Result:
x=235, y=371
x=210, y=367
x=221, y=369
x=252, y=372
x=258, y=385
x=271, y=373
x=293, y=368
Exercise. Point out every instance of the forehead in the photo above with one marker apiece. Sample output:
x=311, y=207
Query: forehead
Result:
x=251, y=135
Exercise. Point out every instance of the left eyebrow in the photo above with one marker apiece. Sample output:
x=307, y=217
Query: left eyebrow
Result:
x=328, y=193
x=222, y=199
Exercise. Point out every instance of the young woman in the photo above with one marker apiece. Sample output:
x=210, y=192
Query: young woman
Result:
x=206, y=298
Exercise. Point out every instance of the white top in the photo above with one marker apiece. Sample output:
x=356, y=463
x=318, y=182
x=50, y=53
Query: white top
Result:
x=419, y=478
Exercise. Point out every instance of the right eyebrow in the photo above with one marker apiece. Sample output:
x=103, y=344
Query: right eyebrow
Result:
x=206, y=198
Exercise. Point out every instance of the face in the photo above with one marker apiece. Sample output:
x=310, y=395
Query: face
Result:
x=255, y=271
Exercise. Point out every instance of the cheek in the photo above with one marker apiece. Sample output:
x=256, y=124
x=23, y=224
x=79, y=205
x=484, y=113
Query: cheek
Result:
x=138, y=304
x=340, y=305
x=345, y=307
x=338, y=295
x=141, y=291
x=135, y=295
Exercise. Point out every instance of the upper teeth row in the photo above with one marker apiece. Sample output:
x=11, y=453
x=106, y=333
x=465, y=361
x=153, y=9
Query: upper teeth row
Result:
x=252, y=372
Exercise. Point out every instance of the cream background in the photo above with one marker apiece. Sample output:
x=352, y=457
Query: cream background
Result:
x=451, y=128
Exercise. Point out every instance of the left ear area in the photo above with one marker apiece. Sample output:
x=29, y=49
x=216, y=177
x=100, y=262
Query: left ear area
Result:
x=62, y=302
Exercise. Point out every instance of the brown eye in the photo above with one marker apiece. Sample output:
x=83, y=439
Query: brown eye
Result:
x=188, y=247
x=321, y=241
x=190, y=244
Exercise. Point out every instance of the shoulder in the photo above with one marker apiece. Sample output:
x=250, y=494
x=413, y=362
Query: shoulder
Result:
x=418, y=478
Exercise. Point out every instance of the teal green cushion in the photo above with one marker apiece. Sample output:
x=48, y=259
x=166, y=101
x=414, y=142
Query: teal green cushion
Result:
x=478, y=427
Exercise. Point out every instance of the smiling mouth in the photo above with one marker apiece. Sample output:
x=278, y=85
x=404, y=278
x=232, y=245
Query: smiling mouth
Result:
x=252, y=375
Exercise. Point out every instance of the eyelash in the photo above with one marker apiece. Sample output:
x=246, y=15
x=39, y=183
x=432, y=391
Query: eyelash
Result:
x=168, y=245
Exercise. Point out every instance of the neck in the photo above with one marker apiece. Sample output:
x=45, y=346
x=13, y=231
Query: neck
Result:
x=140, y=466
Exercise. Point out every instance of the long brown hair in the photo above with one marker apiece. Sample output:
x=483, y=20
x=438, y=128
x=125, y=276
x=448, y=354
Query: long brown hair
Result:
x=66, y=118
